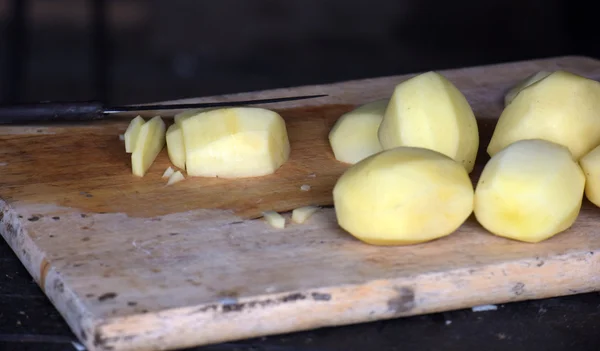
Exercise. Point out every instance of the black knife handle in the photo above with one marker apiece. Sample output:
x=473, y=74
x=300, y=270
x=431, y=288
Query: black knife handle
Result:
x=51, y=112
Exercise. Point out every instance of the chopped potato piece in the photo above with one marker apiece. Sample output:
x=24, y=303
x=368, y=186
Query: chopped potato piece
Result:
x=274, y=219
x=563, y=108
x=403, y=196
x=354, y=135
x=305, y=187
x=235, y=142
x=529, y=191
x=132, y=133
x=175, y=178
x=168, y=172
x=428, y=111
x=175, y=147
x=590, y=163
x=150, y=142
x=300, y=215
x=534, y=78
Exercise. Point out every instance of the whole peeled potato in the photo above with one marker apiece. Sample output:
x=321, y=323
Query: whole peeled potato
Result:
x=428, y=111
x=590, y=164
x=403, y=196
x=529, y=191
x=563, y=108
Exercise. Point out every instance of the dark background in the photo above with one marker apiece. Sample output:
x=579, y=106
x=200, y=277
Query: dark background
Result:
x=133, y=51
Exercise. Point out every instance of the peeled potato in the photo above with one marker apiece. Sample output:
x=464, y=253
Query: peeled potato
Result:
x=534, y=78
x=428, y=111
x=150, y=141
x=403, y=196
x=563, y=108
x=235, y=142
x=354, y=135
x=529, y=191
x=132, y=132
x=590, y=163
x=175, y=146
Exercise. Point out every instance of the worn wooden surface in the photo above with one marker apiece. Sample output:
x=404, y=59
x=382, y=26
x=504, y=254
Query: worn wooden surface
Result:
x=134, y=265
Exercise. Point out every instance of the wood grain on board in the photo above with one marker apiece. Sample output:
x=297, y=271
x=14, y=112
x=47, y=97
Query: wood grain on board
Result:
x=134, y=265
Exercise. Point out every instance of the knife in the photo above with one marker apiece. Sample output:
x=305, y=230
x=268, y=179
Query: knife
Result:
x=90, y=111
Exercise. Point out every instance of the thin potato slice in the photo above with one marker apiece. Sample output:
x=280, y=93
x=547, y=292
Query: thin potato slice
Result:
x=175, y=146
x=132, y=133
x=151, y=140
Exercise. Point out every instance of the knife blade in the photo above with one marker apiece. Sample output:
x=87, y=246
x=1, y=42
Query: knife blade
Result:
x=90, y=111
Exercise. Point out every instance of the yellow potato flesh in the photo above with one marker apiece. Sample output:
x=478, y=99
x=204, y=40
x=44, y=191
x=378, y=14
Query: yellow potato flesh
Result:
x=403, y=196
x=235, y=142
x=132, y=133
x=532, y=79
x=590, y=163
x=151, y=140
x=529, y=191
x=428, y=111
x=562, y=108
x=354, y=135
x=175, y=147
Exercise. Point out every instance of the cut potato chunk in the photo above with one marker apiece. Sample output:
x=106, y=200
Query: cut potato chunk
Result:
x=563, y=108
x=428, y=111
x=168, y=172
x=403, y=196
x=150, y=142
x=235, y=142
x=132, y=133
x=529, y=191
x=590, y=163
x=300, y=215
x=274, y=219
x=532, y=79
x=175, y=147
x=354, y=135
x=175, y=178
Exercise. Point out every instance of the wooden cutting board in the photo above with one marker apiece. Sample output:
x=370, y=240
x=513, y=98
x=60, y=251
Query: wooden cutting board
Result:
x=134, y=265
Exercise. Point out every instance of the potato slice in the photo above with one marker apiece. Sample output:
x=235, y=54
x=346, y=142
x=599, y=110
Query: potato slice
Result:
x=428, y=111
x=590, y=164
x=563, y=108
x=132, y=133
x=403, y=196
x=354, y=135
x=529, y=191
x=175, y=147
x=150, y=142
x=301, y=214
x=175, y=178
x=532, y=79
x=235, y=142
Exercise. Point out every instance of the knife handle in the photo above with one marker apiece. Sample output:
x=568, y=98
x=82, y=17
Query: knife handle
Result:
x=50, y=112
